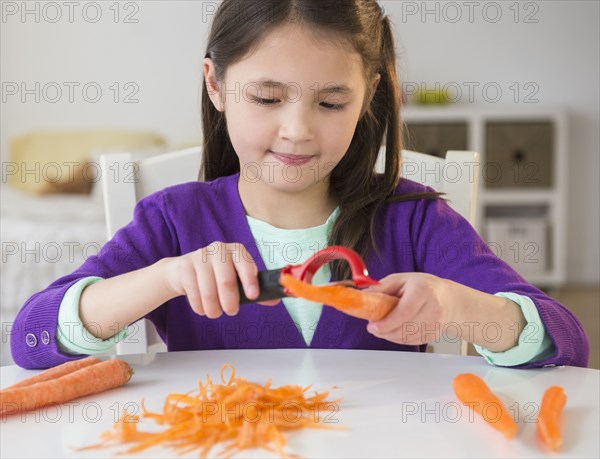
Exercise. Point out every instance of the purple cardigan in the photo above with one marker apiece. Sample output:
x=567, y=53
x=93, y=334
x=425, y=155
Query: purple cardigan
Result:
x=413, y=236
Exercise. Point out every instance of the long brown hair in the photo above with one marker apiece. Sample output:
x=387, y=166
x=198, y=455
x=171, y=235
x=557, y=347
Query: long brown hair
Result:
x=239, y=26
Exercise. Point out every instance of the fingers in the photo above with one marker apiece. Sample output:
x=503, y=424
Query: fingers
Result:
x=191, y=289
x=391, y=285
x=247, y=271
x=409, y=333
x=208, y=291
x=228, y=297
x=419, y=314
x=405, y=311
x=410, y=323
x=211, y=279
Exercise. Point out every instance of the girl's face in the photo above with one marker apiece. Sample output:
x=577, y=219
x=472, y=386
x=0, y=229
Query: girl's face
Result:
x=291, y=108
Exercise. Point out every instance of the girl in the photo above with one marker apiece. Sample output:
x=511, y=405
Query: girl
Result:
x=298, y=95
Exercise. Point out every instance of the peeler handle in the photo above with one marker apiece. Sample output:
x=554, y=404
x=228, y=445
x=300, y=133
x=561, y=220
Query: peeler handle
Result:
x=269, y=286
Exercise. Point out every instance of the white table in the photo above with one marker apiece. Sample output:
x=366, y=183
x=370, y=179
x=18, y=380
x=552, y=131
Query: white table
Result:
x=395, y=404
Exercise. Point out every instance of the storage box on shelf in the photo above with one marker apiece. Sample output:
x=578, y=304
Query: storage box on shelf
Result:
x=521, y=211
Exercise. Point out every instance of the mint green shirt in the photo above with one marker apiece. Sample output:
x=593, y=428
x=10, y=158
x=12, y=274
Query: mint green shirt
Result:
x=279, y=247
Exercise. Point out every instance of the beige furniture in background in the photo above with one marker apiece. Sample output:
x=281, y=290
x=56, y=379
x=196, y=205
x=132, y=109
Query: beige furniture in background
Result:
x=46, y=162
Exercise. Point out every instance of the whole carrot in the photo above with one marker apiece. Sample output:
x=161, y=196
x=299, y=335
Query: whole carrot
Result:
x=553, y=402
x=56, y=372
x=85, y=381
x=473, y=391
x=364, y=305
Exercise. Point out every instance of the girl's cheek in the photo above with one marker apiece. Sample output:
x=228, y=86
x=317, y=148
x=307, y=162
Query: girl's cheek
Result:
x=340, y=134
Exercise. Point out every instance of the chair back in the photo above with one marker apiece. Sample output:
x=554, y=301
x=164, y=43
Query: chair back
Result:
x=457, y=175
x=126, y=180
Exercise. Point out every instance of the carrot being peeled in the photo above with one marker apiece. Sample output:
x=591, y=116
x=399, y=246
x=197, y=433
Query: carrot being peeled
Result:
x=89, y=380
x=56, y=372
x=474, y=392
x=371, y=306
x=548, y=429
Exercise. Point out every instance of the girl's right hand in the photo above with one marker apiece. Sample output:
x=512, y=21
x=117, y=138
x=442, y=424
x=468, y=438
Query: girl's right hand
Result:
x=208, y=277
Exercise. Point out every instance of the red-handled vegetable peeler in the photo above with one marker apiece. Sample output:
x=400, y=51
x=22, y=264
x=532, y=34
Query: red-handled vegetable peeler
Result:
x=271, y=289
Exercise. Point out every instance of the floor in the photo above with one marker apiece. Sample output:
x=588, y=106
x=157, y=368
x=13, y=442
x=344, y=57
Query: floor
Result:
x=584, y=302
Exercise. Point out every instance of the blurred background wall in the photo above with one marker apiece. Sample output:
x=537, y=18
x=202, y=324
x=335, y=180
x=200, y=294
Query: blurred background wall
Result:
x=138, y=65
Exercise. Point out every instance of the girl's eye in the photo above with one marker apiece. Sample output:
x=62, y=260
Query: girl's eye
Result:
x=333, y=106
x=270, y=102
x=260, y=101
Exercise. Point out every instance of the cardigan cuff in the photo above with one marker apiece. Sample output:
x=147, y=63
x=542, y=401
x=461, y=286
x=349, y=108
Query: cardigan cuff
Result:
x=534, y=343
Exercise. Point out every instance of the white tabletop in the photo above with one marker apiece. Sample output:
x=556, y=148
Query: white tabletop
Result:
x=395, y=404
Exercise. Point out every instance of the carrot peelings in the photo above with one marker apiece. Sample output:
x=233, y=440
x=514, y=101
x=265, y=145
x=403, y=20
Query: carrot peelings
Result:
x=88, y=380
x=548, y=429
x=237, y=415
x=371, y=306
x=474, y=392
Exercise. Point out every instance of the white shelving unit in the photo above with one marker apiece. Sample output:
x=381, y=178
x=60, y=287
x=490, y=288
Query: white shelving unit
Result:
x=522, y=191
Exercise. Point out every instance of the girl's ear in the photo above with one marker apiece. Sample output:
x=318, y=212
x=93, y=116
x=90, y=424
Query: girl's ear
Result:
x=212, y=85
x=372, y=88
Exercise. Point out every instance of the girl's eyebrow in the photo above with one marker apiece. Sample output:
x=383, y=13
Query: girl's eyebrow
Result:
x=330, y=88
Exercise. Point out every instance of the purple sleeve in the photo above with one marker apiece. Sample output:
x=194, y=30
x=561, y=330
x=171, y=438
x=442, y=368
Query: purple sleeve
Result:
x=145, y=240
x=449, y=247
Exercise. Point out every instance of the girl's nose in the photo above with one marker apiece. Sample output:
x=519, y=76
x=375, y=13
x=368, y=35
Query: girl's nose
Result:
x=297, y=123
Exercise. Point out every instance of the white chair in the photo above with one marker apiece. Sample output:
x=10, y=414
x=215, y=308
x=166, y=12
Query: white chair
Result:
x=126, y=180
x=457, y=175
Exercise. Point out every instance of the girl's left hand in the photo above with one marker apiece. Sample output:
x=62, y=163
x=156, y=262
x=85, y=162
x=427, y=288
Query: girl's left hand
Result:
x=424, y=307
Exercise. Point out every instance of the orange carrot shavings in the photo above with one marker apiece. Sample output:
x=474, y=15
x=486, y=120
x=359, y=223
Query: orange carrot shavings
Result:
x=371, y=306
x=548, y=429
x=237, y=414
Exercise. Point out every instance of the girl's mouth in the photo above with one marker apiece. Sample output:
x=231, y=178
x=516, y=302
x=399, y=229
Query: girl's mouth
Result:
x=292, y=160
